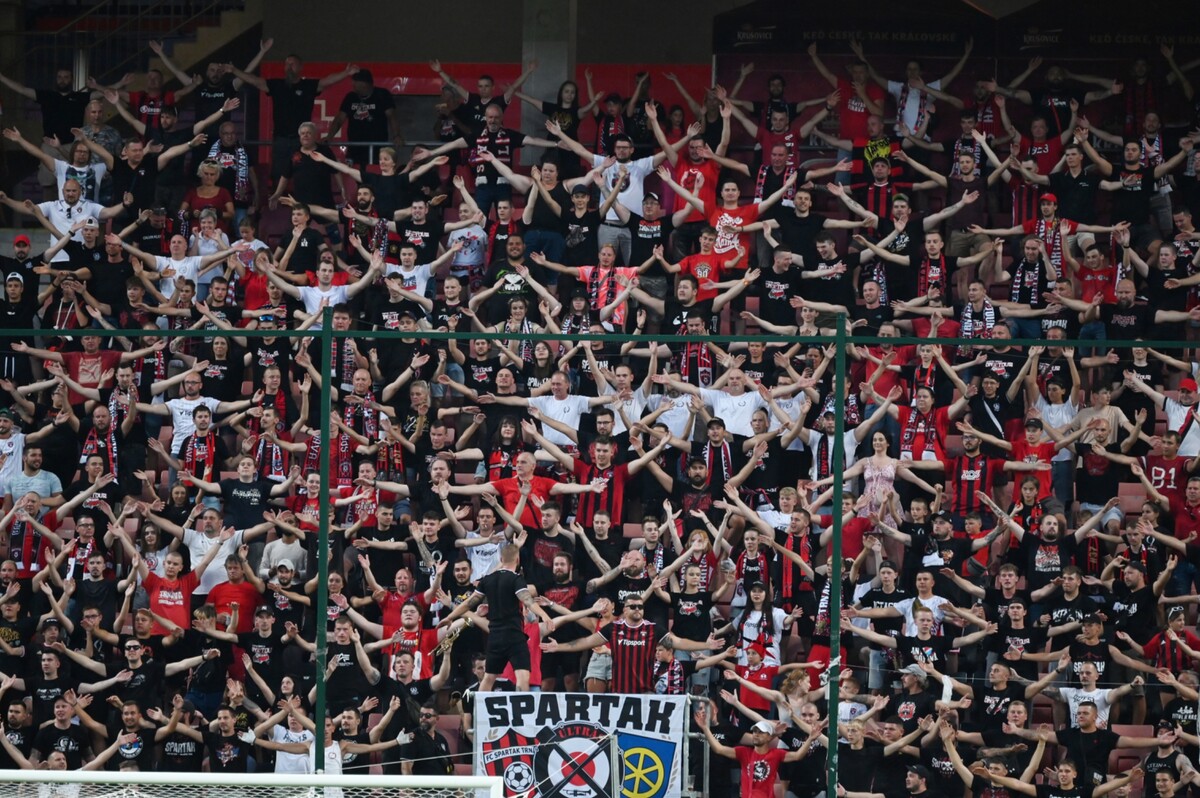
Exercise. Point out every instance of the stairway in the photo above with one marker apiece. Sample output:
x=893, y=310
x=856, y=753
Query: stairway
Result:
x=191, y=54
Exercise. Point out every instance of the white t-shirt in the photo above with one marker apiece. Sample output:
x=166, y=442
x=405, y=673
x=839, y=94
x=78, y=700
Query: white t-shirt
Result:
x=198, y=545
x=181, y=418
x=286, y=762
x=912, y=107
x=484, y=558
x=474, y=248
x=13, y=447
x=63, y=217
x=311, y=296
x=934, y=603
x=675, y=418
x=1057, y=416
x=89, y=177
x=634, y=407
x=849, y=444
x=1074, y=696
x=794, y=407
x=188, y=268
x=735, y=411
x=206, y=247
x=416, y=280
x=567, y=410
x=631, y=195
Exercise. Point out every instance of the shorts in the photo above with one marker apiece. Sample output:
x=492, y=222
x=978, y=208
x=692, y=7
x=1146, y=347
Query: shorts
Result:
x=507, y=648
x=566, y=663
x=1114, y=514
x=599, y=667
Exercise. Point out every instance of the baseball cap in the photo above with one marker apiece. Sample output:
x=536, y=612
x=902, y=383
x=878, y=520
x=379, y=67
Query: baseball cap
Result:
x=22, y=239
x=159, y=211
x=757, y=584
x=651, y=195
x=764, y=726
x=914, y=670
x=265, y=609
x=51, y=622
x=14, y=276
x=581, y=190
x=942, y=515
x=888, y=564
x=6, y=412
x=1034, y=423
x=1187, y=384
x=920, y=771
x=90, y=223
x=286, y=563
x=1048, y=197
x=1092, y=618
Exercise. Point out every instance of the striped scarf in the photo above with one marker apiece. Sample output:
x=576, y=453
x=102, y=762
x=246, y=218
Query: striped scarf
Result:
x=241, y=159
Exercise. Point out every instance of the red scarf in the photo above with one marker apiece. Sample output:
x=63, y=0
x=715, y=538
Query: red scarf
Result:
x=369, y=428
x=312, y=453
x=919, y=423
x=279, y=400
x=932, y=274
x=726, y=459
x=206, y=455
x=108, y=451
x=760, y=183
x=703, y=363
x=271, y=459
x=389, y=461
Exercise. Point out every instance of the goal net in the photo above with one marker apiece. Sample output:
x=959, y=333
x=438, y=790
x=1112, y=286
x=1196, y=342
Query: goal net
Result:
x=126, y=784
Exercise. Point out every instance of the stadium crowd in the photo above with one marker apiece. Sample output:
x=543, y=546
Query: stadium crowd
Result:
x=512, y=513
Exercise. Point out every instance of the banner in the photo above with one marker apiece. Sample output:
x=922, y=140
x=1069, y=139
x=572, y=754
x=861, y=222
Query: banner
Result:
x=552, y=745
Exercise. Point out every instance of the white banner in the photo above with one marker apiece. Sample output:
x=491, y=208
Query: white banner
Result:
x=547, y=745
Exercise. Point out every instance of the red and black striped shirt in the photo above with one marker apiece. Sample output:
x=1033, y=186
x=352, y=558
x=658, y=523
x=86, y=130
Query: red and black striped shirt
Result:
x=969, y=475
x=632, y=655
x=612, y=498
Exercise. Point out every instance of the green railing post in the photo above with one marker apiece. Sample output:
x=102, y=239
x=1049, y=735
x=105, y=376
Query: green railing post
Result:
x=835, y=556
x=326, y=408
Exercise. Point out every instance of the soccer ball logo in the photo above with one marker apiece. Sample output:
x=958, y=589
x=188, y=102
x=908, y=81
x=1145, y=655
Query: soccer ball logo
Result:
x=518, y=777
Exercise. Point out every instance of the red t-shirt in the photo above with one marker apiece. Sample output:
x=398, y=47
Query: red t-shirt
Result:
x=1043, y=452
x=939, y=420
x=365, y=507
x=1167, y=476
x=685, y=175
x=852, y=111
x=1046, y=153
x=418, y=642
x=763, y=676
x=172, y=599
x=246, y=597
x=704, y=268
x=852, y=534
x=728, y=243
x=86, y=369
x=789, y=138
x=1186, y=516
x=510, y=493
x=759, y=770
x=1097, y=281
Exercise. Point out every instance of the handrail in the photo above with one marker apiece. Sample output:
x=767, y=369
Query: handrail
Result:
x=162, y=35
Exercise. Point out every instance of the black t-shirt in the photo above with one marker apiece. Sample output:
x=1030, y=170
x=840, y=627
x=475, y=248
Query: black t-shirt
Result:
x=878, y=599
x=1134, y=611
x=392, y=192
x=209, y=99
x=140, y=181
x=691, y=614
x=505, y=610
x=366, y=117
x=993, y=704
x=226, y=754
x=61, y=111
x=836, y=289
x=646, y=235
x=307, y=255
x=544, y=217
x=775, y=291
x=291, y=105
x=1030, y=639
x=146, y=685
x=245, y=502
x=308, y=180
x=1076, y=195
x=1089, y=752
x=914, y=650
x=581, y=233
x=141, y=752
x=71, y=741
x=1131, y=202
x=1044, y=560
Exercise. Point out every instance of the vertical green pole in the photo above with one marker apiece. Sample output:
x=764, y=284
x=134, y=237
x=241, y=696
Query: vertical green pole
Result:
x=326, y=408
x=835, y=556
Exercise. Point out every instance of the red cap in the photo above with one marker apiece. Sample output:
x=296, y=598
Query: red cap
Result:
x=1048, y=197
x=1187, y=384
x=22, y=239
x=759, y=648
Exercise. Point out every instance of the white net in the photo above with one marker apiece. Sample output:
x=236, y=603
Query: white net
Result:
x=78, y=784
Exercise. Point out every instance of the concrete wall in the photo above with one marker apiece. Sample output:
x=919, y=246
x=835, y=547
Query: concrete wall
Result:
x=662, y=31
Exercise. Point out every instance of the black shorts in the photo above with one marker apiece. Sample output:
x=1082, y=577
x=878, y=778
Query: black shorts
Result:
x=505, y=648
x=566, y=664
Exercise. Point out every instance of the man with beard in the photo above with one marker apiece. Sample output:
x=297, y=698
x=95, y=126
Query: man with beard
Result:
x=563, y=594
x=428, y=754
x=1136, y=185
